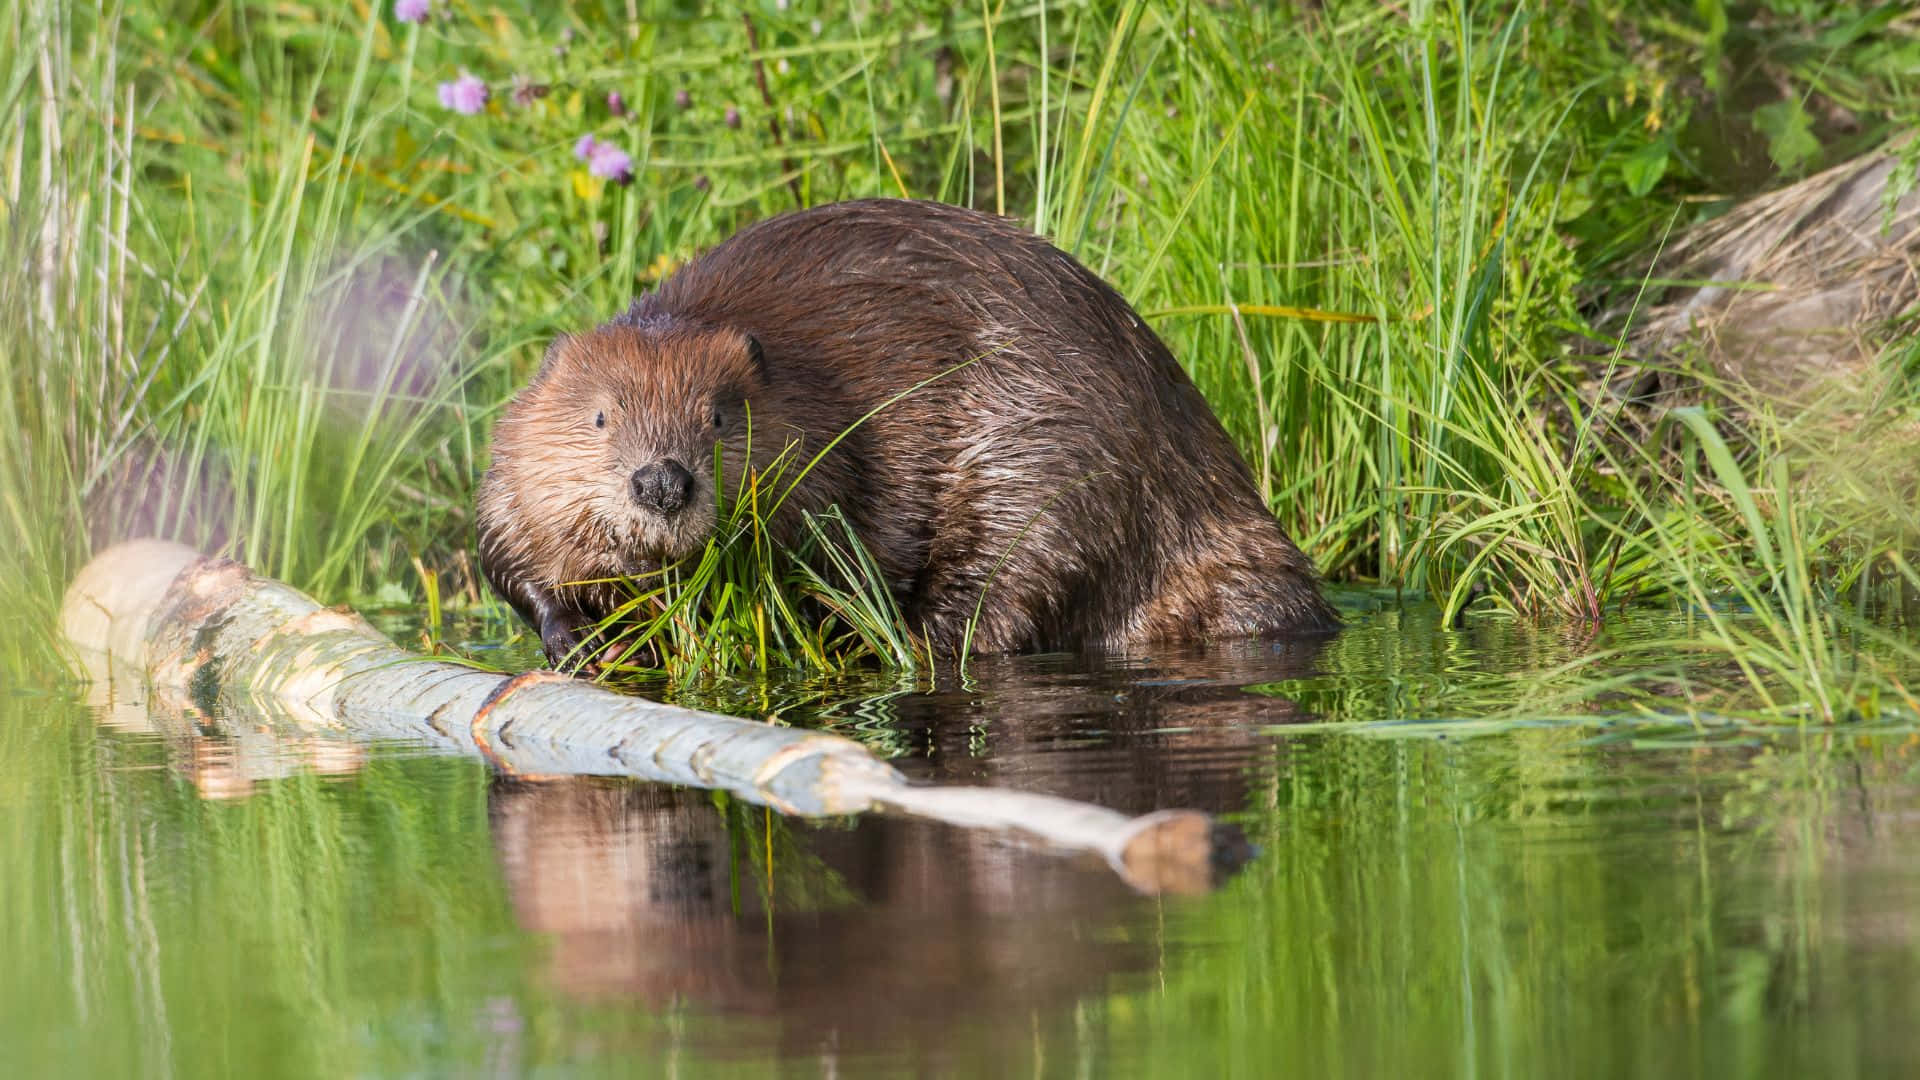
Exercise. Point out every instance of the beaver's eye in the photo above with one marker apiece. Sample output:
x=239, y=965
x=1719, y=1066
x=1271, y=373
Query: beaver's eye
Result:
x=599, y=419
x=716, y=416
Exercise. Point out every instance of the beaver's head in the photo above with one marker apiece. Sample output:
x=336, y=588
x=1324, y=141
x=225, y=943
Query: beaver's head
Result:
x=605, y=464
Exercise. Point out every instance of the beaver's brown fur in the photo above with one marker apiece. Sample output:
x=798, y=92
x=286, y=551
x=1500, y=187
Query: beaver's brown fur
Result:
x=1057, y=457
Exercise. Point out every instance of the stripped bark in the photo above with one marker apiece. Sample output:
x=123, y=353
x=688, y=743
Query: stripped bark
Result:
x=216, y=631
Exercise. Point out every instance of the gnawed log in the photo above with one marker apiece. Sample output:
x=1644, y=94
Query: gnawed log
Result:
x=1791, y=288
x=216, y=631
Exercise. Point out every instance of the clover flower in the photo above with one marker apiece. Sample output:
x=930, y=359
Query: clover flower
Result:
x=465, y=95
x=611, y=163
x=616, y=104
x=604, y=160
x=733, y=117
x=412, y=11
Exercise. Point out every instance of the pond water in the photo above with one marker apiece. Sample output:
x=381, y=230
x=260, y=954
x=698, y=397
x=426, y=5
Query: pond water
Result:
x=1430, y=894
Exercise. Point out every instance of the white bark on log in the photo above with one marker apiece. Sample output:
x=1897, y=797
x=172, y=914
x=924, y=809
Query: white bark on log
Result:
x=217, y=631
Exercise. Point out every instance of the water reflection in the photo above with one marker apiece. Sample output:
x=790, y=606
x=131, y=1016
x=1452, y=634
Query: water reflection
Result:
x=224, y=756
x=869, y=934
x=1180, y=728
x=863, y=936
x=1549, y=899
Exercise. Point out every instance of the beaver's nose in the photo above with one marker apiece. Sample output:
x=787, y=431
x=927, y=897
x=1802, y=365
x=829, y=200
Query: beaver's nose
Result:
x=665, y=485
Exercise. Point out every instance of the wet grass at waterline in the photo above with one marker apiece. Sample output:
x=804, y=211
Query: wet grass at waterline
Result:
x=268, y=289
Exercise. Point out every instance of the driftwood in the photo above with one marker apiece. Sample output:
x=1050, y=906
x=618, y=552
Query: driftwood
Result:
x=1793, y=287
x=221, y=634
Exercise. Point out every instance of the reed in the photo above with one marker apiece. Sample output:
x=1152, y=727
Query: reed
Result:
x=268, y=293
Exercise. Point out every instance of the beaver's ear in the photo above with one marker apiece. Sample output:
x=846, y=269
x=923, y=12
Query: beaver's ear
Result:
x=757, y=357
x=560, y=342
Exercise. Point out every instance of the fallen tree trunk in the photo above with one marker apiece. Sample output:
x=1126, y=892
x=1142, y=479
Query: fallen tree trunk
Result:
x=221, y=634
x=1791, y=288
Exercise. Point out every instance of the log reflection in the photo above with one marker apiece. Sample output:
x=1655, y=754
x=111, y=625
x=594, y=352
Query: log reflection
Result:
x=870, y=931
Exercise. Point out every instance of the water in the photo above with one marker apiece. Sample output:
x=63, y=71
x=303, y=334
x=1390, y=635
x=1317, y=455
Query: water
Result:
x=1432, y=895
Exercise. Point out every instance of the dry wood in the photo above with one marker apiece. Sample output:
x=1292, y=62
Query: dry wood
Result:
x=216, y=631
x=1797, y=285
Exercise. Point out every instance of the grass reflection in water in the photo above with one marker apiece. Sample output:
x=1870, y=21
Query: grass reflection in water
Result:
x=1516, y=898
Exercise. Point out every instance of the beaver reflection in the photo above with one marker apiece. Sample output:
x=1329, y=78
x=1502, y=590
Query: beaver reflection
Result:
x=866, y=935
x=1180, y=728
x=890, y=929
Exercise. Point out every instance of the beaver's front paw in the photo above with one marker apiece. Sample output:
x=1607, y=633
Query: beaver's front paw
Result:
x=564, y=636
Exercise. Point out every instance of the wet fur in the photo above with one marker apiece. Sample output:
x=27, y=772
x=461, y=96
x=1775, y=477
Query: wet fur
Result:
x=1057, y=434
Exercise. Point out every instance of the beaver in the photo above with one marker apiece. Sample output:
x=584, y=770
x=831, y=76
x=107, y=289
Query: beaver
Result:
x=1013, y=441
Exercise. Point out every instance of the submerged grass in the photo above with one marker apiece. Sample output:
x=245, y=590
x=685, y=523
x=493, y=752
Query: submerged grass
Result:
x=267, y=294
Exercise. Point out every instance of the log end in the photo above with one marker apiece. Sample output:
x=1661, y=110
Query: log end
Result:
x=1180, y=851
x=111, y=601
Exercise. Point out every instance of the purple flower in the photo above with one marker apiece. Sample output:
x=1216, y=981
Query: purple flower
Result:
x=604, y=160
x=733, y=117
x=611, y=163
x=465, y=95
x=412, y=11
x=682, y=100
x=616, y=104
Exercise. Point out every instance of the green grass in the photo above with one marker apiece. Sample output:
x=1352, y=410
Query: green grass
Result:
x=746, y=604
x=267, y=295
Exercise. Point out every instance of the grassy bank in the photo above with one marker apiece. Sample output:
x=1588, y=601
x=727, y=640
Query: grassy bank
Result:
x=267, y=291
